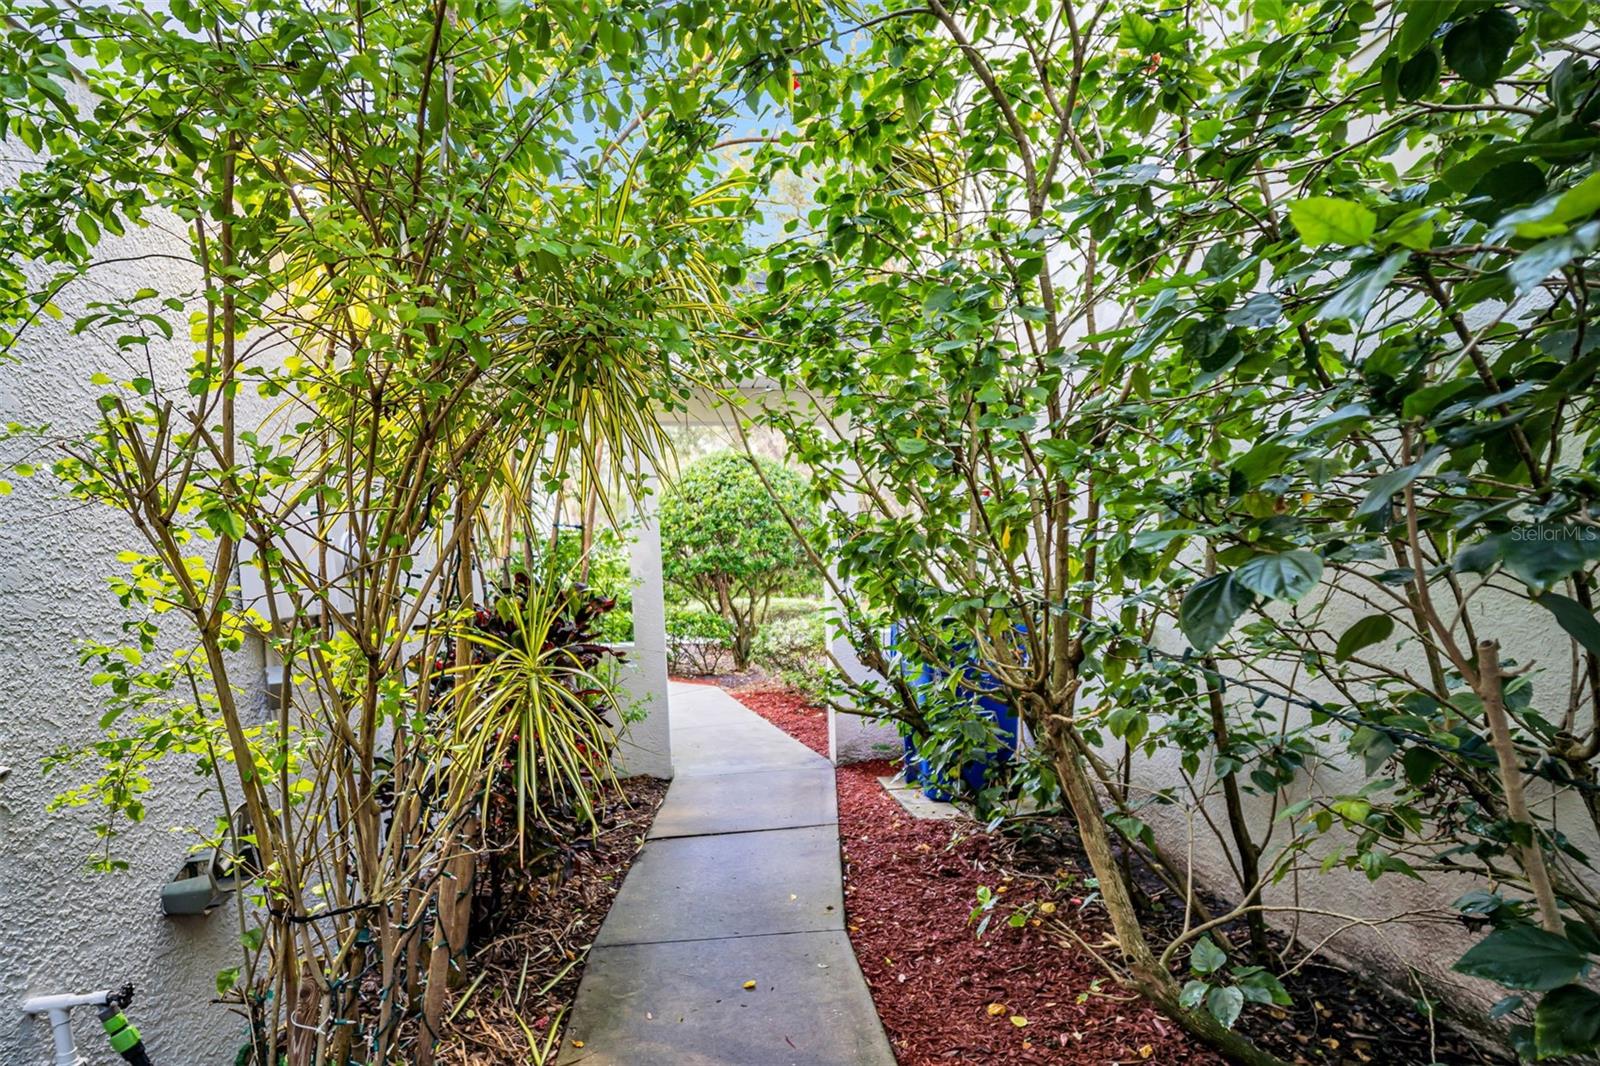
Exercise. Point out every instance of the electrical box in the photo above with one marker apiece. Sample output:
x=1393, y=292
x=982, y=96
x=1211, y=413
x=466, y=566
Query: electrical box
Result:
x=210, y=875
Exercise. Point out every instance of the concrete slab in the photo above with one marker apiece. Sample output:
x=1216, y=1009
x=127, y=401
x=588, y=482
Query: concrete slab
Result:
x=737, y=749
x=735, y=884
x=745, y=802
x=702, y=705
x=739, y=882
x=683, y=1004
x=917, y=805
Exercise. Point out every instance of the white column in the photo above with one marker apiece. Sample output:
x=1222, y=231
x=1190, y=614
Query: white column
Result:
x=646, y=744
x=852, y=738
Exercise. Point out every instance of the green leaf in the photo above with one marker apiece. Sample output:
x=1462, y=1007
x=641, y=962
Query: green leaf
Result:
x=1423, y=19
x=1419, y=74
x=226, y=979
x=1362, y=289
x=1476, y=48
x=1206, y=957
x=1211, y=344
x=1389, y=81
x=1567, y=1022
x=1136, y=32
x=1285, y=576
x=1571, y=616
x=1414, y=230
x=910, y=446
x=939, y=298
x=1541, y=556
x=1224, y=1004
x=1504, y=185
x=1261, y=310
x=1211, y=608
x=225, y=523
x=1264, y=459
x=1259, y=985
x=1478, y=558
x=1567, y=84
x=1547, y=257
x=1383, y=487
x=1329, y=220
x=1419, y=765
x=1370, y=630
x=1524, y=957
x=1580, y=201
x=1193, y=994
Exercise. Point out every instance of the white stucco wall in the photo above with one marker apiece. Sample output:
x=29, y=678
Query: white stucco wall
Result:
x=61, y=927
x=1428, y=939
x=645, y=747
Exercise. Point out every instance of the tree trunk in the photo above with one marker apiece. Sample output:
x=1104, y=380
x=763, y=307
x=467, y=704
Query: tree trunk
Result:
x=1145, y=973
x=1244, y=844
x=453, y=892
x=1492, y=692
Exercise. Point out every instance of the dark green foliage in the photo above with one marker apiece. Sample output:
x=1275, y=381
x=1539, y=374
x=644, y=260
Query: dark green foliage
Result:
x=1282, y=349
x=726, y=540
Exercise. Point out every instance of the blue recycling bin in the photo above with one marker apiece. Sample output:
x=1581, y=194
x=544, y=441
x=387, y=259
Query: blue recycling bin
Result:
x=913, y=768
x=910, y=764
x=975, y=773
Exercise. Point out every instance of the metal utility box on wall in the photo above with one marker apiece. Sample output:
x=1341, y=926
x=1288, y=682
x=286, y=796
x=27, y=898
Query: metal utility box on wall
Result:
x=209, y=876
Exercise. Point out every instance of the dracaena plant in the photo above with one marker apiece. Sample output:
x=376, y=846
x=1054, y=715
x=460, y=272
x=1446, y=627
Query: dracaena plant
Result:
x=407, y=267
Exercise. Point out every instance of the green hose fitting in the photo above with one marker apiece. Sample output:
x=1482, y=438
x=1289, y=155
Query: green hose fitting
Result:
x=122, y=1035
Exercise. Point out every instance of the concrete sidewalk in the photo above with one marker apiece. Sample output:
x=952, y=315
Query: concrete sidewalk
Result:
x=739, y=882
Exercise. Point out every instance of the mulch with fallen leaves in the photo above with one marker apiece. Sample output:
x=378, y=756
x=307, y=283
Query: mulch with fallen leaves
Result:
x=522, y=979
x=944, y=993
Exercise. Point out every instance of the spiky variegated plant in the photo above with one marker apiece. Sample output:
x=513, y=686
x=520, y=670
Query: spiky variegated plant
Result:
x=418, y=245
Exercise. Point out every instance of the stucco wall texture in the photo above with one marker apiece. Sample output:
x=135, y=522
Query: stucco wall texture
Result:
x=1400, y=930
x=63, y=928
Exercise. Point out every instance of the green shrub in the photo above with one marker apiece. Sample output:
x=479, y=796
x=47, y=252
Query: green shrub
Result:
x=781, y=608
x=794, y=644
x=725, y=540
x=694, y=623
x=698, y=642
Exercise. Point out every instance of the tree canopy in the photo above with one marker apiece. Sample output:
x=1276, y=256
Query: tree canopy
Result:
x=1220, y=378
x=726, y=538
x=1234, y=363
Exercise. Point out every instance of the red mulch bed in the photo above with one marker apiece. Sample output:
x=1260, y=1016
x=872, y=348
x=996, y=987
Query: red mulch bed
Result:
x=944, y=994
